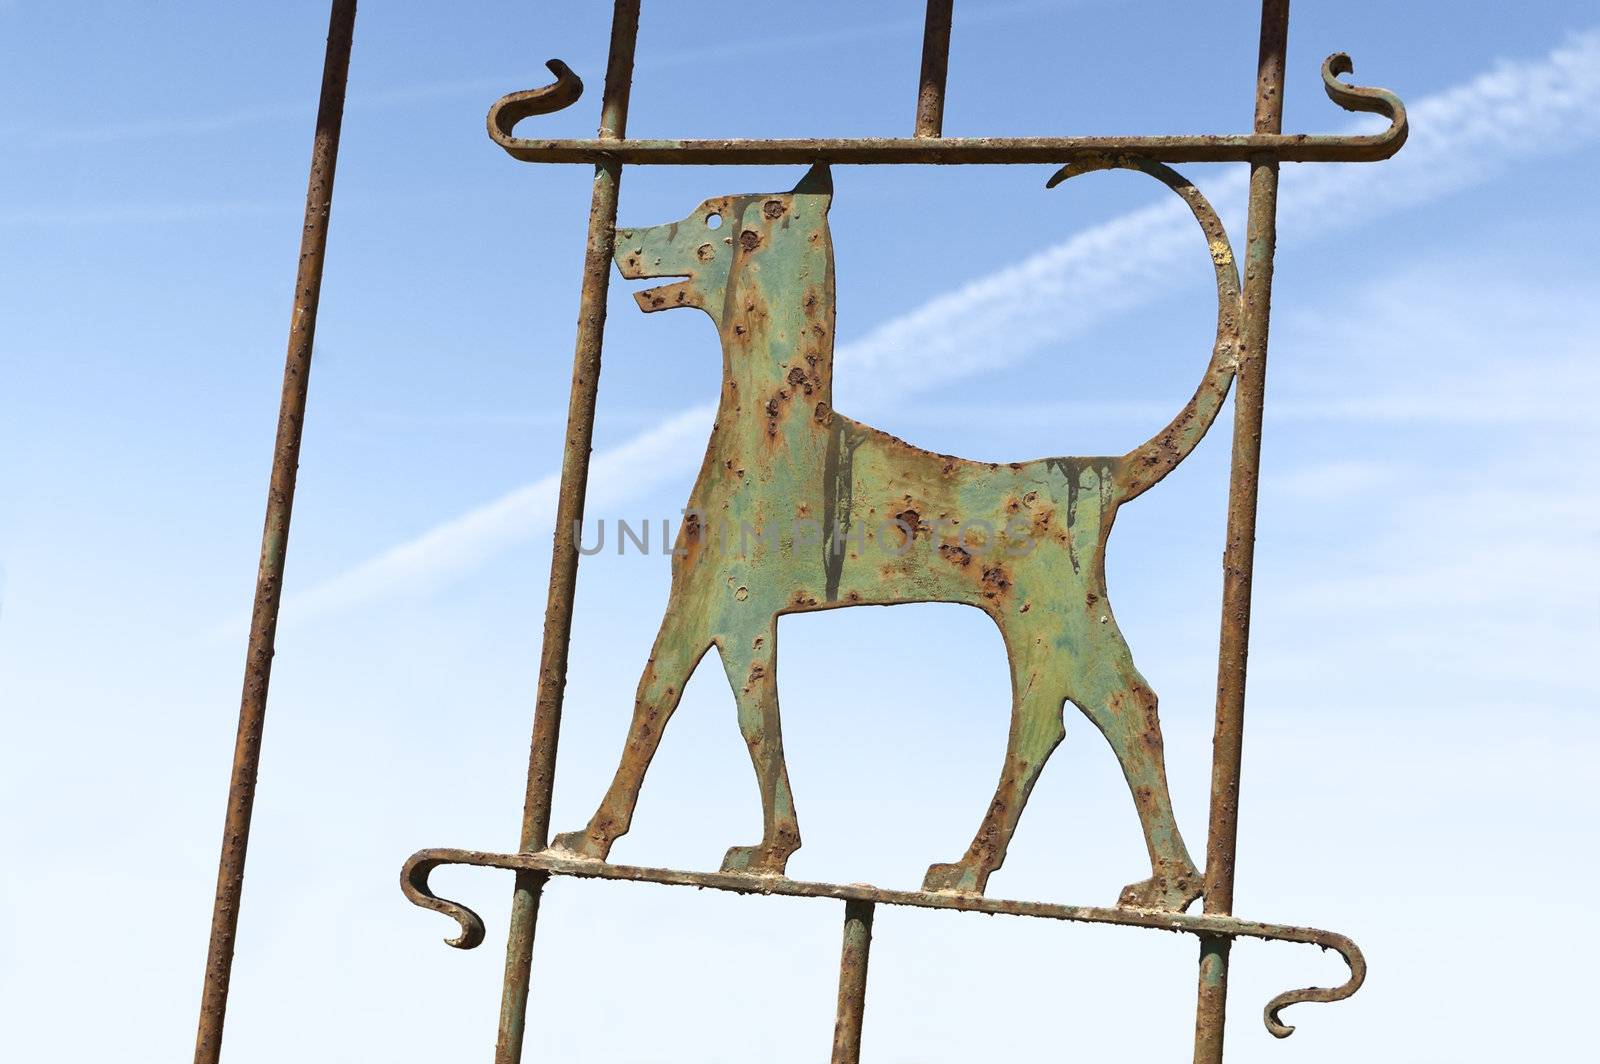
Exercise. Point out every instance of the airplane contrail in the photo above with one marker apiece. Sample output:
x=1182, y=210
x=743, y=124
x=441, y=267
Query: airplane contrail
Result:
x=1460, y=136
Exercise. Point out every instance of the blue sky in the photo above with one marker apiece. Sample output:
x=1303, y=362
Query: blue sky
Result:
x=1422, y=720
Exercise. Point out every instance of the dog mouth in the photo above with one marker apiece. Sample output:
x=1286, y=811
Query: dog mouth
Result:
x=634, y=267
x=663, y=297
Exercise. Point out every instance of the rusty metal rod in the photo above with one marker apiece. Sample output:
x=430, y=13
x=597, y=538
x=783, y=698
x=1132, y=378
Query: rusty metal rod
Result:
x=1238, y=559
x=569, y=518
x=419, y=868
x=935, y=69
x=275, y=536
x=948, y=151
x=853, y=957
x=937, y=150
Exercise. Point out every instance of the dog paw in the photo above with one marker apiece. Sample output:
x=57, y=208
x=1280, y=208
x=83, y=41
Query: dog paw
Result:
x=580, y=844
x=755, y=860
x=1167, y=891
x=958, y=878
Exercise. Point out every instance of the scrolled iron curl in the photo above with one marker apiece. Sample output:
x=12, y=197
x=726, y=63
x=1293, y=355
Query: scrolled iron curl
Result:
x=513, y=107
x=414, y=884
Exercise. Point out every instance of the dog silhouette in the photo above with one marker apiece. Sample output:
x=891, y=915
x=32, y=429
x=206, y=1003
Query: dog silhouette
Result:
x=800, y=508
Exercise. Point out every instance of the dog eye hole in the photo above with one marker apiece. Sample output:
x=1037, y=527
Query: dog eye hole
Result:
x=713, y=220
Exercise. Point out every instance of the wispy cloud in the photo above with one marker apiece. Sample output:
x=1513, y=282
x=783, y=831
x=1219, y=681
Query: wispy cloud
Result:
x=1460, y=136
x=1334, y=480
x=459, y=545
x=1471, y=547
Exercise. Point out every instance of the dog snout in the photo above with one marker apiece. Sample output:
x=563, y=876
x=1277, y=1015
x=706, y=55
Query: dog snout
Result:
x=629, y=256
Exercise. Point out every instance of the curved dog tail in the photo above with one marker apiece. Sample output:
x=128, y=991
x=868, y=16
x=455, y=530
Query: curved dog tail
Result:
x=1147, y=463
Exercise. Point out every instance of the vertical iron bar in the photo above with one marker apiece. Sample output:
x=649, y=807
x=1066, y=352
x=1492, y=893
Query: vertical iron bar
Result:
x=1239, y=553
x=935, y=67
x=275, y=536
x=569, y=518
x=853, y=959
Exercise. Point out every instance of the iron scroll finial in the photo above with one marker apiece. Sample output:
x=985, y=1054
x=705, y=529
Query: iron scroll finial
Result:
x=513, y=107
x=1361, y=98
x=1353, y=958
x=414, y=885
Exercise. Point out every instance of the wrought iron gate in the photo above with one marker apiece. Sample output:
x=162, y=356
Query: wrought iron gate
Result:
x=765, y=276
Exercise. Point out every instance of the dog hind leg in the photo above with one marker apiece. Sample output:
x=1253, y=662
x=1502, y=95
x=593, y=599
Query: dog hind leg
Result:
x=751, y=663
x=1122, y=705
x=1036, y=730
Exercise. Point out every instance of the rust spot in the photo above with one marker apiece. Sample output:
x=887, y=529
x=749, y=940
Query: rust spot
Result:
x=995, y=581
x=773, y=208
x=705, y=252
x=749, y=239
x=955, y=555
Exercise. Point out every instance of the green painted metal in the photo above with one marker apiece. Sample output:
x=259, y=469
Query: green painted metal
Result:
x=798, y=507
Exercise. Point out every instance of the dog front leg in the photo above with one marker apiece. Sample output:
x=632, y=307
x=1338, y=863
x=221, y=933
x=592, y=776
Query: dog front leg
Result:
x=751, y=662
x=672, y=662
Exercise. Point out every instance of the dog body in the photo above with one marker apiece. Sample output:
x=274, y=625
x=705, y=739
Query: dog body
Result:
x=799, y=508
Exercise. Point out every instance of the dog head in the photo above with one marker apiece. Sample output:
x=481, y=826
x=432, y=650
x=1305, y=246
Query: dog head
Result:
x=721, y=237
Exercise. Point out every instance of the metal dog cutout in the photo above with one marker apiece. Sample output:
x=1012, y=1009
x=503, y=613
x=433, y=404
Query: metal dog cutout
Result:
x=828, y=512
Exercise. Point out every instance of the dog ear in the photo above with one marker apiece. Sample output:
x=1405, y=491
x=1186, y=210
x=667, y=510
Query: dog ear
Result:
x=817, y=182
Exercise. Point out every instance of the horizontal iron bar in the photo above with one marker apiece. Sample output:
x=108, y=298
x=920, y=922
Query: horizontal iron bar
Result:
x=557, y=864
x=948, y=151
x=1245, y=147
x=414, y=883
